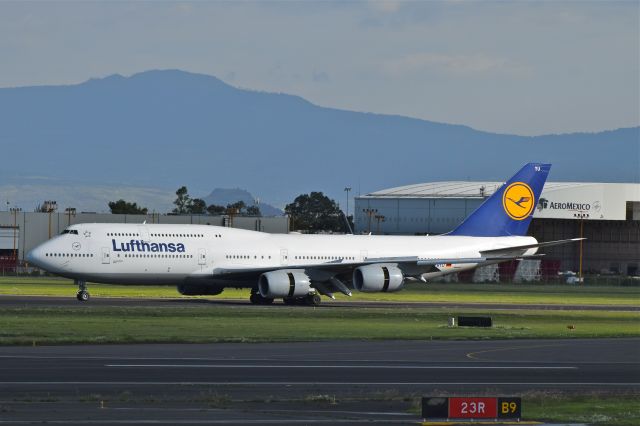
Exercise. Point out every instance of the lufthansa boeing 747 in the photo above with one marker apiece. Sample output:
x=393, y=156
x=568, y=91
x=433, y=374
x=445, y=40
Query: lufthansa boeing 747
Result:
x=204, y=260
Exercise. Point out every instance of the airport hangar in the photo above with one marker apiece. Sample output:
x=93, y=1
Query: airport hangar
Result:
x=607, y=214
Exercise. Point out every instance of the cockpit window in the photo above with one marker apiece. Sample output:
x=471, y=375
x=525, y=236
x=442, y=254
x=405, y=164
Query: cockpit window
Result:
x=70, y=231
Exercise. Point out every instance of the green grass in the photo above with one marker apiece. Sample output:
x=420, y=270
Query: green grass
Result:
x=414, y=292
x=216, y=323
x=20, y=286
x=222, y=323
x=511, y=293
x=620, y=410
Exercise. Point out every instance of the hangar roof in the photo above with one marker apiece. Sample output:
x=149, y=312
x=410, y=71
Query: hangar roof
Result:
x=561, y=200
x=464, y=189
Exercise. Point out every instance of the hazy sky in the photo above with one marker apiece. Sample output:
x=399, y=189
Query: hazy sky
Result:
x=514, y=67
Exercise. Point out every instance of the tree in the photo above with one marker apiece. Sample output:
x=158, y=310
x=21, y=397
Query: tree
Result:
x=123, y=207
x=316, y=212
x=253, y=211
x=216, y=210
x=183, y=201
x=198, y=206
x=238, y=206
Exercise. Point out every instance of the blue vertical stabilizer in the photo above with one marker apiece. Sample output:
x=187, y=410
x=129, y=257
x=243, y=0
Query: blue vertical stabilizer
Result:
x=509, y=210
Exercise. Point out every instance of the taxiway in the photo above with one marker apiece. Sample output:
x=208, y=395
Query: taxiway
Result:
x=313, y=382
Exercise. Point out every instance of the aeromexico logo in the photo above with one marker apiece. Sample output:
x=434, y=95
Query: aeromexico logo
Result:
x=142, y=247
x=569, y=205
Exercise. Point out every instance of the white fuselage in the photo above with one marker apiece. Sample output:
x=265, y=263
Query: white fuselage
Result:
x=169, y=254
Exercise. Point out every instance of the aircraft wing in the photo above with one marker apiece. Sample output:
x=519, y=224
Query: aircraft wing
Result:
x=411, y=265
x=339, y=267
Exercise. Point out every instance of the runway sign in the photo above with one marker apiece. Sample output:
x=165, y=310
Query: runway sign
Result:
x=471, y=408
x=474, y=322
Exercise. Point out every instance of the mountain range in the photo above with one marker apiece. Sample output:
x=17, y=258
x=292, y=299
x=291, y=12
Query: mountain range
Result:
x=226, y=196
x=164, y=129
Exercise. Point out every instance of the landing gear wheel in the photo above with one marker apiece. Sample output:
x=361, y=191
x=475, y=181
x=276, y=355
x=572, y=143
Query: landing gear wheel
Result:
x=257, y=299
x=313, y=299
x=289, y=301
x=82, y=294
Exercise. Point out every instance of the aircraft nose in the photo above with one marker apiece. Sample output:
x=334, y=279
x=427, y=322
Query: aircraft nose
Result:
x=34, y=256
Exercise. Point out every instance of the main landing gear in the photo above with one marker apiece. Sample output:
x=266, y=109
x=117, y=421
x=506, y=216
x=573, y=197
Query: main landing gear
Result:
x=82, y=294
x=309, y=300
x=257, y=299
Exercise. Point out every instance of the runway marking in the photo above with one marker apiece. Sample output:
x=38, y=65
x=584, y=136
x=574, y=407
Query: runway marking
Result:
x=381, y=367
x=472, y=355
x=200, y=409
x=283, y=358
x=519, y=383
x=210, y=421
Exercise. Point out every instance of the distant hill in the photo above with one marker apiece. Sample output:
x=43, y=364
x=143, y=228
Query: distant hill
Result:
x=172, y=128
x=223, y=197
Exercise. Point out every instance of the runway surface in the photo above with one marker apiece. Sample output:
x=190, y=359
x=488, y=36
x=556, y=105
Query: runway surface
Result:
x=48, y=301
x=300, y=383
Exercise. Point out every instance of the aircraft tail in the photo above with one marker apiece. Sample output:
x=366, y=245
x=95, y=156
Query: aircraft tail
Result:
x=510, y=209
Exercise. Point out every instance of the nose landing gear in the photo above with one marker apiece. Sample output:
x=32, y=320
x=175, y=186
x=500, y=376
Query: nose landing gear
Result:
x=82, y=294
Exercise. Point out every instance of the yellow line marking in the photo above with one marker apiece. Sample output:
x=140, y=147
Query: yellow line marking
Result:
x=467, y=422
x=472, y=355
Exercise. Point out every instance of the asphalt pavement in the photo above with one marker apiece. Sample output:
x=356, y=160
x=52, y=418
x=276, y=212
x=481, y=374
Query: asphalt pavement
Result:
x=346, y=382
x=71, y=301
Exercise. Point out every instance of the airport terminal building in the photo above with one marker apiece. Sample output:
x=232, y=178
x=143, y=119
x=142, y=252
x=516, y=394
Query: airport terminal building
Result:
x=607, y=214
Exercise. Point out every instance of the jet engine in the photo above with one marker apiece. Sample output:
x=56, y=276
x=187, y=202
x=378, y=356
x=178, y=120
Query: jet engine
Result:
x=199, y=290
x=381, y=277
x=286, y=283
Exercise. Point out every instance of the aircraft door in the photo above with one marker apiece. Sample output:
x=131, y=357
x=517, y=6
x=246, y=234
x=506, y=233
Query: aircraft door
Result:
x=106, y=255
x=202, y=256
x=144, y=233
x=363, y=255
x=284, y=257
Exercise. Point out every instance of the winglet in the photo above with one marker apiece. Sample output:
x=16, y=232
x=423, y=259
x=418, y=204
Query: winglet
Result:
x=510, y=209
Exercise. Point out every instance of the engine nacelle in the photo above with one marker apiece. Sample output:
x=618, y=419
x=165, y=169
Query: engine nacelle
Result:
x=199, y=290
x=284, y=283
x=381, y=277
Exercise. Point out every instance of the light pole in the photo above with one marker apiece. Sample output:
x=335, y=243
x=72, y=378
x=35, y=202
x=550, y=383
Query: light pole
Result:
x=582, y=216
x=347, y=189
x=15, y=211
x=379, y=218
x=50, y=207
x=70, y=211
x=370, y=213
x=232, y=212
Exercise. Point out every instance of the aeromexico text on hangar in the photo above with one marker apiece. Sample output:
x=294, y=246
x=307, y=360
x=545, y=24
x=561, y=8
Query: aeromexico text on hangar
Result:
x=570, y=205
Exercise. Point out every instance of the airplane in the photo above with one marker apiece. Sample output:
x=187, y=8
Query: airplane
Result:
x=297, y=268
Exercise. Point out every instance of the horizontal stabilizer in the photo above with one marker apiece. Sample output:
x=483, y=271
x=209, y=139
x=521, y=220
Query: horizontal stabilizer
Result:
x=512, y=251
x=459, y=260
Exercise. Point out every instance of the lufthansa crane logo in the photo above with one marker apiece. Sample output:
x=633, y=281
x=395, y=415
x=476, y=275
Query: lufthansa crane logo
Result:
x=518, y=200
